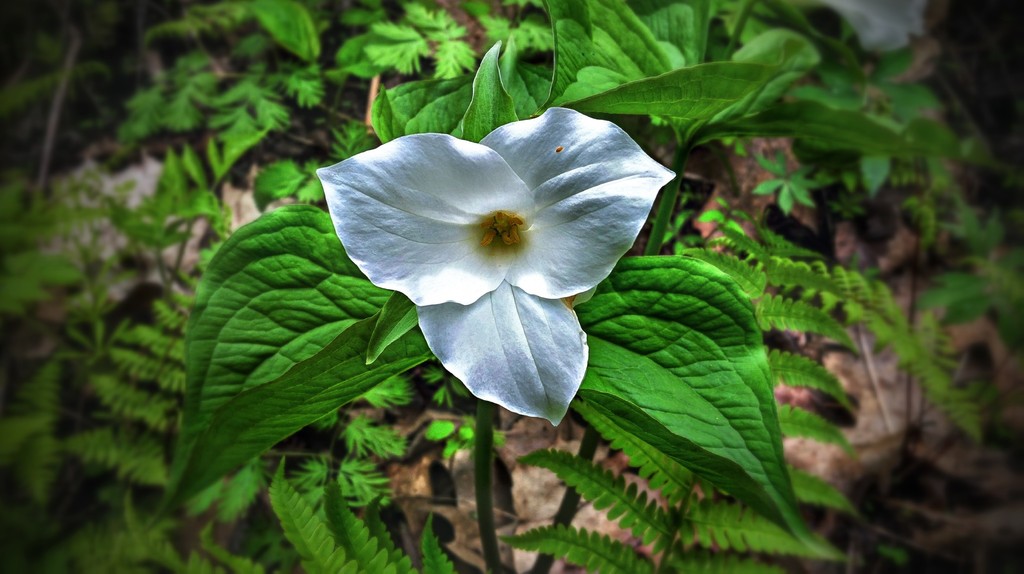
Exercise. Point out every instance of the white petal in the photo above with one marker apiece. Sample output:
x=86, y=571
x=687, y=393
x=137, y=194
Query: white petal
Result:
x=882, y=24
x=593, y=187
x=522, y=352
x=409, y=213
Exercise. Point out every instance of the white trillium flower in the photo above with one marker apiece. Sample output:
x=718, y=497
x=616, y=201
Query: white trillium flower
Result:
x=882, y=24
x=493, y=240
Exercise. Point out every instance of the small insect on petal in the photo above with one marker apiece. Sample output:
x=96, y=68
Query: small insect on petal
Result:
x=559, y=149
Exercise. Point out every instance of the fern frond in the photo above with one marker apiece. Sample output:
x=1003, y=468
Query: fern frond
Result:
x=725, y=526
x=588, y=549
x=778, y=246
x=814, y=490
x=363, y=436
x=703, y=562
x=435, y=561
x=352, y=535
x=662, y=473
x=813, y=277
x=646, y=519
x=131, y=403
x=739, y=242
x=136, y=459
x=307, y=533
x=800, y=371
x=787, y=314
x=371, y=517
x=750, y=277
x=799, y=422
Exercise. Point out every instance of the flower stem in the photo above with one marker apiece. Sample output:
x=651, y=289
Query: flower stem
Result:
x=669, y=197
x=483, y=442
x=570, y=500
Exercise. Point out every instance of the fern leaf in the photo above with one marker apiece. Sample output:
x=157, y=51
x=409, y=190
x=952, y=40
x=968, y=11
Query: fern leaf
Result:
x=590, y=550
x=672, y=479
x=371, y=516
x=310, y=537
x=703, y=562
x=363, y=436
x=646, y=519
x=798, y=422
x=799, y=371
x=813, y=277
x=138, y=460
x=787, y=314
x=778, y=246
x=751, y=278
x=435, y=561
x=352, y=535
x=134, y=404
x=728, y=526
x=813, y=490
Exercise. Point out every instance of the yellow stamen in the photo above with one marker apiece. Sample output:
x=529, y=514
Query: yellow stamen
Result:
x=502, y=224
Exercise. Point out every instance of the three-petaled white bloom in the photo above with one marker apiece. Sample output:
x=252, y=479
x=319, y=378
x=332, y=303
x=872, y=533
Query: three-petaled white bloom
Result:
x=882, y=24
x=493, y=240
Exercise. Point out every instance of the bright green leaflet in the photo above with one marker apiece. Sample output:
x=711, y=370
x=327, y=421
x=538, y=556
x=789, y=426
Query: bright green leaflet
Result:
x=694, y=95
x=291, y=26
x=598, y=45
x=275, y=294
x=428, y=106
x=491, y=105
x=397, y=317
x=676, y=357
x=680, y=28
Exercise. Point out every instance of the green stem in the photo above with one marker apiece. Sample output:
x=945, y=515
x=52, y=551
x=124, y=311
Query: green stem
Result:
x=570, y=500
x=748, y=7
x=483, y=443
x=669, y=197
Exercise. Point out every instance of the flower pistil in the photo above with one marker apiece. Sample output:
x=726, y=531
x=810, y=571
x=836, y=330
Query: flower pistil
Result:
x=501, y=224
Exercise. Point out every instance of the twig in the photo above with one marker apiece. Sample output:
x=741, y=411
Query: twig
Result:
x=56, y=105
x=869, y=362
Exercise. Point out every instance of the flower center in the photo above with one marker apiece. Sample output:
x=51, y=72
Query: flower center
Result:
x=503, y=224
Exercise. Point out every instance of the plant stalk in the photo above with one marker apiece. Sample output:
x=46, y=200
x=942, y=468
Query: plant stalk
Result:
x=669, y=197
x=570, y=500
x=483, y=443
x=741, y=23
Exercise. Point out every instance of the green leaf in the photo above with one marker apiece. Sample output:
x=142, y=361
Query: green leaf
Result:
x=811, y=489
x=789, y=54
x=421, y=107
x=779, y=312
x=290, y=25
x=397, y=317
x=260, y=417
x=351, y=534
x=695, y=383
x=798, y=422
x=723, y=526
x=874, y=170
x=307, y=533
x=588, y=549
x=694, y=95
x=435, y=560
x=491, y=105
x=439, y=430
x=681, y=28
x=275, y=294
x=599, y=39
x=837, y=129
x=221, y=159
x=799, y=371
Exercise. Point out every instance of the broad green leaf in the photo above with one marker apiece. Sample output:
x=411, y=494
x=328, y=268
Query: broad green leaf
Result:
x=528, y=84
x=676, y=358
x=397, y=317
x=694, y=95
x=597, y=42
x=260, y=417
x=424, y=106
x=275, y=294
x=790, y=54
x=681, y=28
x=491, y=105
x=290, y=25
x=874, y=170
x=837, y=129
